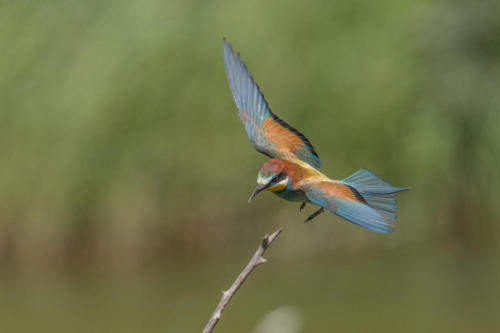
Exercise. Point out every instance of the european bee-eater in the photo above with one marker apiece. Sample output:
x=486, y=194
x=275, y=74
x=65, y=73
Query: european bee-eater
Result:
x=292, y=172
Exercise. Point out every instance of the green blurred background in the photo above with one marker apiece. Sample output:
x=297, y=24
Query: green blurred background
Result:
x=125, y=170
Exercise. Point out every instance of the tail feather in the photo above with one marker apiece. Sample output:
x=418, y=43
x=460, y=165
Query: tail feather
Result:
x=377, y=193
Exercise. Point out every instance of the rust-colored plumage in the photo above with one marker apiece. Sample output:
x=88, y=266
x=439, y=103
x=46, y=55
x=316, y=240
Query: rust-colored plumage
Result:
x=292, y=172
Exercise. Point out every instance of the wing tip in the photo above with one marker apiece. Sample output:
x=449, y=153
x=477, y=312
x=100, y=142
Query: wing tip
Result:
x=364, y=216
x=226, y=46
x=240, y=63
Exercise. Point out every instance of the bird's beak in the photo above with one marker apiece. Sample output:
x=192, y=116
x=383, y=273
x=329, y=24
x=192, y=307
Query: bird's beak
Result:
x=258, y=189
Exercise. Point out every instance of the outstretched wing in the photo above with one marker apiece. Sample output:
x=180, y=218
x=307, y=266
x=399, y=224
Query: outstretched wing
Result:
x=269, y=134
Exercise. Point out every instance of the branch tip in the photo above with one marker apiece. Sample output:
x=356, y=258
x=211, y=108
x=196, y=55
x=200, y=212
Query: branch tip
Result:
x=256, y=260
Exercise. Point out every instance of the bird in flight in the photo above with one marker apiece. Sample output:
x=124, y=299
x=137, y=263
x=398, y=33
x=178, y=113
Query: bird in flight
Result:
x=292, y=170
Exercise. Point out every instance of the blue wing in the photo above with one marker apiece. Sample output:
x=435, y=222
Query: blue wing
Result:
x=269, y=134
x=344, y=201
x=376, y=192
x=362, y=199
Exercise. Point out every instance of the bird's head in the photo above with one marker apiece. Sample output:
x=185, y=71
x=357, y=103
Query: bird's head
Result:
x=272, y=177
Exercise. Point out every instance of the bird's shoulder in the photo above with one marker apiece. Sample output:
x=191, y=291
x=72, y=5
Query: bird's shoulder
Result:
x=302, y=173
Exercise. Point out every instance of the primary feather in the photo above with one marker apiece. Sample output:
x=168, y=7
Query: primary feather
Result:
x=268, y=133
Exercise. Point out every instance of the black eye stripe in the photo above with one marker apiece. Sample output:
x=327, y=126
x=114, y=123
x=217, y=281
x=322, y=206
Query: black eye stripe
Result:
x=278, y=178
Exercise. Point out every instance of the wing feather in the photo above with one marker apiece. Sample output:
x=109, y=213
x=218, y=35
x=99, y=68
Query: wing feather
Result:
x=268, y=133
x=346, y=202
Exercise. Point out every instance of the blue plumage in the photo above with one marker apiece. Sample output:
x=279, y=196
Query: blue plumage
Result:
x=246, y=93
x=362, y=215
x=268, y=133
x=378, y=194
x=362, y=198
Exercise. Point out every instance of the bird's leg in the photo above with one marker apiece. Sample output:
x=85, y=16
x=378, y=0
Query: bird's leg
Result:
x=313, y=215
x=302, y=206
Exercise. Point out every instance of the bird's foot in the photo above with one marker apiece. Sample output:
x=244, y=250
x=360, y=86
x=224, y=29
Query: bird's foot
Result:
x=313, y=215
x=302, y=206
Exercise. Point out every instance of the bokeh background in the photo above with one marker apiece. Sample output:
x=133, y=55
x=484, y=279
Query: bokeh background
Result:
x=125, y=170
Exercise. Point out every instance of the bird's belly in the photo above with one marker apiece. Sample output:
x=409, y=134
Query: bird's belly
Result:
x=298, y=196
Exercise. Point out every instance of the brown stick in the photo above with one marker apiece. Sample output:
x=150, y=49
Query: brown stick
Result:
x=256, y=260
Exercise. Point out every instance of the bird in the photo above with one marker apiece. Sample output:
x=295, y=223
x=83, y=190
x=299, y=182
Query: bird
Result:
x=292, y=172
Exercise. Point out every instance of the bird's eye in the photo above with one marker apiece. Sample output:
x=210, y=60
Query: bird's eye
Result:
x=276, y=178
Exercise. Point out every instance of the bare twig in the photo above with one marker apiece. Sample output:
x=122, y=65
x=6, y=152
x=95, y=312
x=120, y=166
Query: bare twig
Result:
x=256, y=260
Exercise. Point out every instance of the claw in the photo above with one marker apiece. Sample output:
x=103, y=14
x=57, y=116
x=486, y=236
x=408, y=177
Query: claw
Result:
x=313, y=215
x=302, y=206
